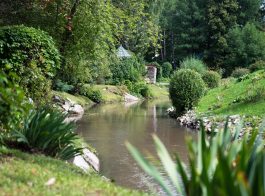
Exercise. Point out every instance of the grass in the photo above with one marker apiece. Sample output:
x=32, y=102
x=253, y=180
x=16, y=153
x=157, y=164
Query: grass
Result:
x=79, y=99
x=224, y=99
x=159, y=91
x=113, y=94
x=25, y=174
x=110, y=93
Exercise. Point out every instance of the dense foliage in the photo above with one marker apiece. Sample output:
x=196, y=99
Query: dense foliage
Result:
x=219, y=165
x=13, y=104
x=32, y=55
x=87, y=47
x=186, y=88
x=244, y=46
x=212, y=79
x=126, y=69
x=166, y=69
x=46, y=131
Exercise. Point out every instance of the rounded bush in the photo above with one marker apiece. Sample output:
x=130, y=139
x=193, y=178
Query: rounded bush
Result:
x=194, y=64
x=185, y=89
x=32, y=55
x=239, y=72
x=258, y=65
x=212, y=79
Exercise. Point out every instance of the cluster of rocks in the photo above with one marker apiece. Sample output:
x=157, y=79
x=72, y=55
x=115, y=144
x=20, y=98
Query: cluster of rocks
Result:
x=211, y=123
x=68, y=106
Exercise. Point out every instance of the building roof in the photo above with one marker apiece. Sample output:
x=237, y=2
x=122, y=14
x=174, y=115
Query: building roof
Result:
x=122, y=53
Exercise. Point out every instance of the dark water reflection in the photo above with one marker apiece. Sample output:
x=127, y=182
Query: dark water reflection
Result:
x=107, y=127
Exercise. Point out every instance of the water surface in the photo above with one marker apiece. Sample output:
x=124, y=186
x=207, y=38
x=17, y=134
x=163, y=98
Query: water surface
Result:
x=107, y=127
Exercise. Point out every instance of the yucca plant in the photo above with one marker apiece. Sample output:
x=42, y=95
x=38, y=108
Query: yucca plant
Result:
x=219, y=165
x=44, y=130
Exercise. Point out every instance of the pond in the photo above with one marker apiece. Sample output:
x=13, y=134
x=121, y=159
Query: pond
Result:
x=107, y=127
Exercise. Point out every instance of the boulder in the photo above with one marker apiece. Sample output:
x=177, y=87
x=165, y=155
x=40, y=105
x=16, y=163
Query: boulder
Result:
x=66, y=106
x=80, y=162
x=130, y=98
x=76, y=109
x=92, y=159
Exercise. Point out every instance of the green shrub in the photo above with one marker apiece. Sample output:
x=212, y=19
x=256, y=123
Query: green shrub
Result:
x=139, y=88
x=145, y=92
x=166, y=69
x=239, y=72
x=212, y=79
x=13, y=104
x=253, y=94
x=32, y=55
x=220, y=165
x=258, y=65
x=62, y=86
x=93, y=94
x=185, y=89
x=127, y=69
x=194, y=64
x=45, y=131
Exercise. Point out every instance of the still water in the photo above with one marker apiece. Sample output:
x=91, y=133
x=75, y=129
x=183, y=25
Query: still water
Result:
x=107, y=127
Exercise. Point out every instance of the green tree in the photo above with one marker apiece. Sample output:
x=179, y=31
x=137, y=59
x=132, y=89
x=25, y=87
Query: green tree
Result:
x=220, y=17
x=245, y=46
x=249, y=11
x=189, y=28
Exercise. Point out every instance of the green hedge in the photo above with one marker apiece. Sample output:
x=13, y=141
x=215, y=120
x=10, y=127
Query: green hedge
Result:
x=32, y=55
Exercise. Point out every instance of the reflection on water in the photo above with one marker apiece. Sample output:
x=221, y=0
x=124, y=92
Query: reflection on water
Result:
x=107, y=127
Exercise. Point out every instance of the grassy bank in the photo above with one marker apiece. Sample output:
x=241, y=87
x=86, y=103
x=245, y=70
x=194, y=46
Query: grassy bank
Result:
x=159, y=91
x=245, y=97
x=79, y=99
x=113, y=94
x=25, y=174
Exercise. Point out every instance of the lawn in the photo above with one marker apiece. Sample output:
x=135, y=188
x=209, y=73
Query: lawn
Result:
x=227, y=99
x=25, y=174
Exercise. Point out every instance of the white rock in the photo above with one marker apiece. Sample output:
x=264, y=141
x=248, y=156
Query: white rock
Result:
x=130, y=98
x=80, y=162
x=66, y=106
x=76, y=109
x=92, y=159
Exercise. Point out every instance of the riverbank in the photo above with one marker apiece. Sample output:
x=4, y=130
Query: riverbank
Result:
x=243, y=96
x=32, y=174
x=241, y=99
x=113, y=94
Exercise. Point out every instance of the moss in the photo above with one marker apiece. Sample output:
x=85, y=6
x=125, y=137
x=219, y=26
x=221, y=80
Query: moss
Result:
x=26, y=174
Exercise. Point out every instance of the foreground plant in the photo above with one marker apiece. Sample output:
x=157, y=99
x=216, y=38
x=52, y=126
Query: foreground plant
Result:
x=45, y=131
x=221, y=165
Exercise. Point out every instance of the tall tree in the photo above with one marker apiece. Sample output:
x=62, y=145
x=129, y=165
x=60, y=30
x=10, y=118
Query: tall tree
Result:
x=249, y=11
x=189, y=27
x=220, y=17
